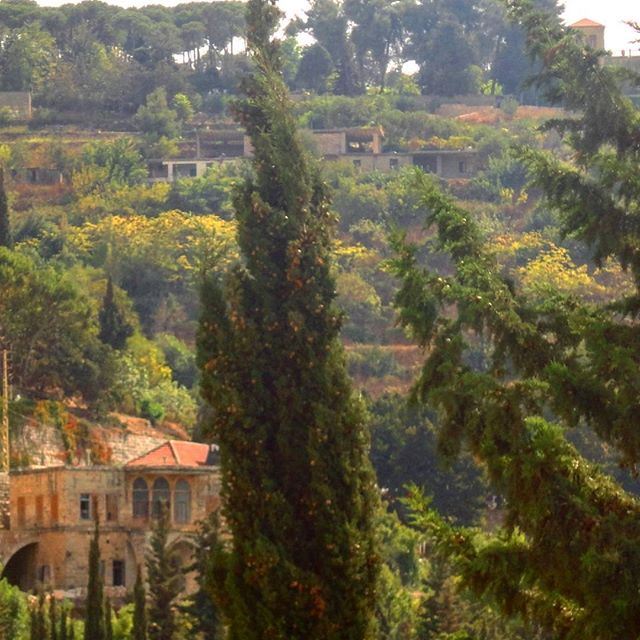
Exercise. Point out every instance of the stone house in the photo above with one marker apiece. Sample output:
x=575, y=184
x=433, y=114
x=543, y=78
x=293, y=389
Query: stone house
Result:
x=53, y=511
x=363, y=146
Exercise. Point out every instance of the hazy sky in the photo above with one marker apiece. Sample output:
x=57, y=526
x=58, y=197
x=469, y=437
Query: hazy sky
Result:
x=611, y=13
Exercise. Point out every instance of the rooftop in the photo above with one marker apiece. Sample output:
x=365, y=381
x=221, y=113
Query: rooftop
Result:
x=585, y=22
x=178, y=453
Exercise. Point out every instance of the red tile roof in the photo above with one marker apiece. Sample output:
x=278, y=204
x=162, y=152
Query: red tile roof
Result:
x=177, y=453
x=585, y=22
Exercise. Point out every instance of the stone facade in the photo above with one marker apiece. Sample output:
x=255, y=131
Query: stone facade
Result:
x=53, y=512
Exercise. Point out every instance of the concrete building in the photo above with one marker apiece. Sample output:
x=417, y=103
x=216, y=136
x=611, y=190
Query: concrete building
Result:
x=53, y=510
x=363, y=146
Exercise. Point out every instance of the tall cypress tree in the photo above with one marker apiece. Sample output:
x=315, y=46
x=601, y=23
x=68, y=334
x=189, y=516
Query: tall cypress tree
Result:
x=165, y=581
x=298, y=489
x=94, y=618
x=6, y=239
x=64, y=634
x=568, y=556
x=114, y=328
x=108, y=622
x=139, y=631
x=53, y=618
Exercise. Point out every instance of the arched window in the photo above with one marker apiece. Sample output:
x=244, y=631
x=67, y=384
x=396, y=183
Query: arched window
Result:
x=161, y=497
x=140, y=498
x=182, y=502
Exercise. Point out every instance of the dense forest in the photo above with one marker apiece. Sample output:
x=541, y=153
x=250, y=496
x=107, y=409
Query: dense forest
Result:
x=471, y=344
x=98, y=64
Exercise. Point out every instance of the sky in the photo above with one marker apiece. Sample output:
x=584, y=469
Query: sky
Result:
x=611, y=13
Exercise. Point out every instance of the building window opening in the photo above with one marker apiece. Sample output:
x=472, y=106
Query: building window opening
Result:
x=161, y=497
x=111, y=507
x=54, y=508
x=39, y=510
x=393, y=163
x=85, y=506
x=462, y=166
x=118, y=573
x=22, y=511
x=182, y=504
x=140, y=499
x=44, y=574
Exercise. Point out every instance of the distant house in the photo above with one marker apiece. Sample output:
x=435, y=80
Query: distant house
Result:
x=37, y=176
x=363, y=146
x=594, y=35
x=45, y=542
x=593, y=32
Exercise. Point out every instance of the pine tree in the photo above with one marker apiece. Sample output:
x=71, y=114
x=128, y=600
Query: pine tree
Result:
x=298, y=489
x=53, y=618
x=114, y=328
x=568, y=556
x=108, y=622
x=94, y=618
x=165, y=581
x=202, y=609
x=139, y=631
x=5, y=227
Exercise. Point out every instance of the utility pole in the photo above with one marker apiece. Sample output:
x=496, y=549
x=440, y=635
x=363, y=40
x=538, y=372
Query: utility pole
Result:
x=4, y=436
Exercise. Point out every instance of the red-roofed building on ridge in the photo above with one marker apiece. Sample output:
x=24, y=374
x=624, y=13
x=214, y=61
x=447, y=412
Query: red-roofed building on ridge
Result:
x=45, y=541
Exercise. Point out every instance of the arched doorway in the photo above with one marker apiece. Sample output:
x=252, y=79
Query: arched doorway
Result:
x=21, y=568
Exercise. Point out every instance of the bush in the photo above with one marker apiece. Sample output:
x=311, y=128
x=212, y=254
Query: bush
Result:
x=152, y=411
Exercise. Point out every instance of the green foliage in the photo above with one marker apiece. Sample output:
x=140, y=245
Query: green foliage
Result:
x=52, y=330
x=210, y=193
x=404, y=450
x=183, y=107
x=114, y=328
x=315, y=70
x=6, y=239
x=165, y=580
x=298, y=490
x=108, y=620
x=139, y=626
x=53, y=618
x=181, y=359
x=155, y=119
x=94, y=616
x=553, y=362
x=201, y=607
x=14, y=613
x=118, y=162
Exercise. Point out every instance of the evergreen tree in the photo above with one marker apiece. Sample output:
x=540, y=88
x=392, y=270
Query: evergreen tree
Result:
x=114, y=328
x=165, y=581
x=64, y=634
x=298, y=489
x=568, y=556
x=139, y=631
x=202, y=608
x=33, y=618
x=41, y=618
x=53, y=618
x=5, y=226
x=108, y=622
x=94, y=618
